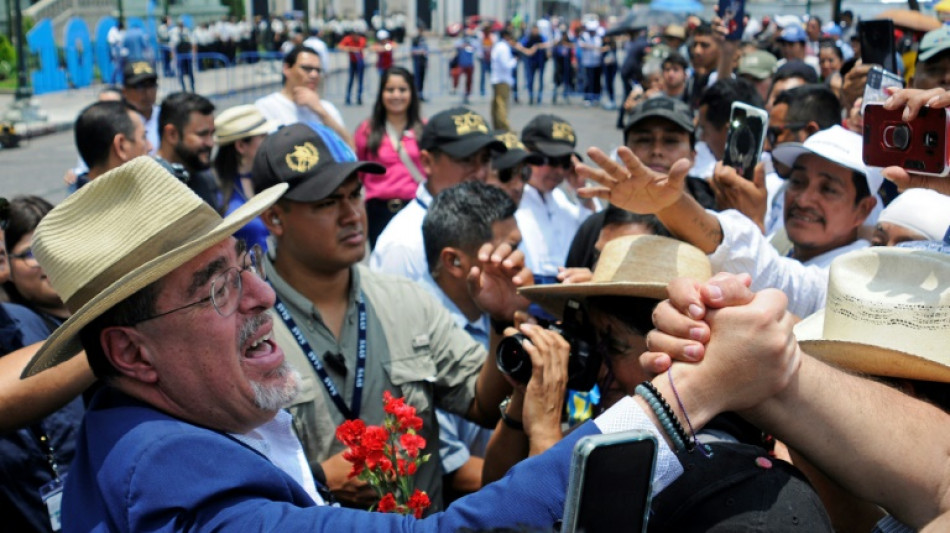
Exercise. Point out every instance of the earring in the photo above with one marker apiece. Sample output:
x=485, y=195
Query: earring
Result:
x=275, y=221
x=456, y=262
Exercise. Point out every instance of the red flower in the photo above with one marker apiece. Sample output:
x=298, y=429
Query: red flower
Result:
x=350, y=432
x=412, y=444
x=412, y=468
x=418, y=502
x=387, y=504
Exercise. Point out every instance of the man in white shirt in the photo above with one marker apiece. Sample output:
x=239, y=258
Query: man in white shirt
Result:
x=314, y=42
x=140, y=90
x=827, y=200
x=455, y=146
x=547, y=218
x=299, y=99
x=503, y=63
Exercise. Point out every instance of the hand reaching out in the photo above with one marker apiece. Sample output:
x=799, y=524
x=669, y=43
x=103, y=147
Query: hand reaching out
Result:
x=631, y=185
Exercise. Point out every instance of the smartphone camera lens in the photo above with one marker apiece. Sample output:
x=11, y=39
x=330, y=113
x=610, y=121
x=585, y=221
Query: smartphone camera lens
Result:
x=930, y=139
x=897, y=137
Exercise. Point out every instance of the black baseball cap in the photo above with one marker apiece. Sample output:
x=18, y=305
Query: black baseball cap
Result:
x=311, y=158
x=551, y=135
x=137, y=72
x=796, y=69
x=676, y=111
x=459, y=132
x=517, y=152
x=739, y=488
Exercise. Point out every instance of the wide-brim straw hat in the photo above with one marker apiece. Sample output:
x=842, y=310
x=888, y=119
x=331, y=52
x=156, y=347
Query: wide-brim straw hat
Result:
x=240, y=122
x=887, y=314
x=636, y=265
x=121, y=232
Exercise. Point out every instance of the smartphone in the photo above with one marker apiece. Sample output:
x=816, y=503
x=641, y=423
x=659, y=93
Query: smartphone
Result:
x=879, y=80
x=611, y=483
x=732, y=13
x=919, y=146
x=745, y=138
x=877, y=43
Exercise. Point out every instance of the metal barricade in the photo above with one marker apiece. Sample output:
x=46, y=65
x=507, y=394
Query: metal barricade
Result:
x=207, y=73
x=257, y=74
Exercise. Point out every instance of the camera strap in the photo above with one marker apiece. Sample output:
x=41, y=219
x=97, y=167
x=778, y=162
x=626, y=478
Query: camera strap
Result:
x=352, y=412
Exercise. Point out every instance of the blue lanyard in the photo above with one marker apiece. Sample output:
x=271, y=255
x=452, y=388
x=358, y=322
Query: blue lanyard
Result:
x=424, y=206
x=349, y=413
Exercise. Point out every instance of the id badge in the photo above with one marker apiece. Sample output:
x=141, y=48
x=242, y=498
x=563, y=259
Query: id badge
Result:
x=52, y=494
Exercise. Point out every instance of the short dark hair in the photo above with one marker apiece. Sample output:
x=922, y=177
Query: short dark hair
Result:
x=814, y=102
x=25, y=213
x=719, y=97
x=861, y=190
x=617, y=215
x=462, y=217
x=97, y=126
x=128, y=312
x=291, y=58
x=704, y=28
x=177, y=108
x=676, y=58
x=833, y=46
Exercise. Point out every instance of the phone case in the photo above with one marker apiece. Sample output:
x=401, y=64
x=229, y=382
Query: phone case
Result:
x=583, y=450
x=745, y=138
x=919, y=146
x=879, y=80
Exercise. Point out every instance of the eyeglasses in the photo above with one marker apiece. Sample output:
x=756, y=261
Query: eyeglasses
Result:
x=311, y=70
x=565, y=161
x=4, y=213
x=227, y=287
x=507, y=174
x=773, y=132
x=26, y=256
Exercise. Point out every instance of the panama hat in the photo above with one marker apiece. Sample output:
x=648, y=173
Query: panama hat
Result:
x=240, y=122
x=636, y=265
x=118, y=234
x=887, y=314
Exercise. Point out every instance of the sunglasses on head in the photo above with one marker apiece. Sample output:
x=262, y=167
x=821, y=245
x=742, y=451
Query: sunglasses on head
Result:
x=564, y=161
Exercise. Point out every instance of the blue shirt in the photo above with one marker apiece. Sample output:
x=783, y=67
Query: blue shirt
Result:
x=24, y=468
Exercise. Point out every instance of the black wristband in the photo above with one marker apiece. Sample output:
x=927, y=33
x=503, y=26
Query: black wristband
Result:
x=677, y=425
x=507, y=420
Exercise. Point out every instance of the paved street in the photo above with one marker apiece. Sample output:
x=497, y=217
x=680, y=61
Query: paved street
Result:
x=38, y=165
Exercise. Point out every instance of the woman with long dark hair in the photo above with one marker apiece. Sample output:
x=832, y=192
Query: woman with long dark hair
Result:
x=390, y=137
x=239, y=131
x=35, y=458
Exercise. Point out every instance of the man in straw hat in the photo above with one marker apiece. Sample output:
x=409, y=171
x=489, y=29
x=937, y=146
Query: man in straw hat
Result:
x=629, y=281
x=172, y=313
x=885, y=316
x=829, y=196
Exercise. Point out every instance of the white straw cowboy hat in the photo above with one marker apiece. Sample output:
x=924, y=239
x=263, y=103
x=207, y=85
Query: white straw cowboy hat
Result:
x=887, y=314
x=121, y=232
x=636, y=265
x=240, y=122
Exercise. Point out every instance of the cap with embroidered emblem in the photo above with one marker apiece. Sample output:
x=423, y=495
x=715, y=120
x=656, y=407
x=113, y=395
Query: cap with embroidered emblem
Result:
x=310, y=158
x=517, y=152
x=137, y=72
x=459, y=132
x=549, y=134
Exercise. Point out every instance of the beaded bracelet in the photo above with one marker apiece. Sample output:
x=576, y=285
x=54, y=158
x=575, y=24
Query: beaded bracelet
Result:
x=663, y=415
x=674, y=420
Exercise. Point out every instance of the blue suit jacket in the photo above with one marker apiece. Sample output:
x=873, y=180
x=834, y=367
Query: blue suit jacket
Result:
x=138, y=469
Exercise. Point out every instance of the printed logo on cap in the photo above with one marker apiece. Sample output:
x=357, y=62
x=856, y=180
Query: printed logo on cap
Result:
x=469, y=123
x=303, y=158
x=511, y=141
x=141, y=67
x=562, y=131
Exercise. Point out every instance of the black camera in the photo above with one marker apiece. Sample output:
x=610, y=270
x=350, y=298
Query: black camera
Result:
x=583, y=365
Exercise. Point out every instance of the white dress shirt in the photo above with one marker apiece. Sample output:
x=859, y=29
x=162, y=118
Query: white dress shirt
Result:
x=400, y=249
x=548, y=224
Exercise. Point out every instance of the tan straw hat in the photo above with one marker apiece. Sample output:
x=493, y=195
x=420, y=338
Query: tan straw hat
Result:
x=239, y=122
x=121, y=232
x=636, y=265
x=887, y=314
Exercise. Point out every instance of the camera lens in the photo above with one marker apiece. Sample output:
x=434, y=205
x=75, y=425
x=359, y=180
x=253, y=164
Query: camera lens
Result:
x=512, y=359
x=897, y=137
x=931, y=139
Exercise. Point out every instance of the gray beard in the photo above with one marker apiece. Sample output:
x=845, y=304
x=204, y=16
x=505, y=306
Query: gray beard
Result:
x=276, y=396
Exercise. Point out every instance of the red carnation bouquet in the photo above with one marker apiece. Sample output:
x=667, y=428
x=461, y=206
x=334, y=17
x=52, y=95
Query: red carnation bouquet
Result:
x=387, y=457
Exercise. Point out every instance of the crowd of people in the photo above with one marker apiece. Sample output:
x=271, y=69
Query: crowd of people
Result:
x=184, y=334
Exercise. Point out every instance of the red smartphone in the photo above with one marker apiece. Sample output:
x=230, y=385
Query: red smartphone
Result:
x=919, y=146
